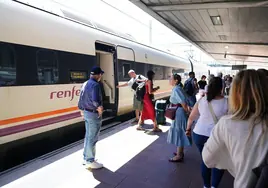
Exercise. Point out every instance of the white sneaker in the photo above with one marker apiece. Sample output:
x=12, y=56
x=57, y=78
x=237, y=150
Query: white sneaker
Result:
x=93, y=165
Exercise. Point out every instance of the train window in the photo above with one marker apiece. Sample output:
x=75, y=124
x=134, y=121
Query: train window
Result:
x=47, y=66
x=141, y=69
x=122, y=69
x=7, y=66
x=126, y=67
x=167, y=73
x=159, y=72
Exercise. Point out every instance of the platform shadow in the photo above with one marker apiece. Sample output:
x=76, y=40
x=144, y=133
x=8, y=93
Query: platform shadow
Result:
x=107, y=178
x=150, y=169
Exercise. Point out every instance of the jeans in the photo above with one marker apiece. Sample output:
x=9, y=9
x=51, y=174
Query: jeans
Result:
x=207, y=173
x=93, y=125
x=192, y=101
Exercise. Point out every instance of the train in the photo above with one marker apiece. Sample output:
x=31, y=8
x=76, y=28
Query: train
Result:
x=47, y=53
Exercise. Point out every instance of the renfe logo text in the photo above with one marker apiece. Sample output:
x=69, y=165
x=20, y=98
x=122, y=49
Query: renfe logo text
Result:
x=65, y=94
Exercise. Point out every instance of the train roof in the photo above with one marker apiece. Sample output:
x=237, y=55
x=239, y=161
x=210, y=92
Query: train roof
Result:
x=66, y=13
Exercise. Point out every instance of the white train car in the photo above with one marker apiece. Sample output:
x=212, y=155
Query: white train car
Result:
x=46, y=56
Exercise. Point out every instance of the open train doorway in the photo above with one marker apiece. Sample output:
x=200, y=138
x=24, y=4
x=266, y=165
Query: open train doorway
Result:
x=106, y=59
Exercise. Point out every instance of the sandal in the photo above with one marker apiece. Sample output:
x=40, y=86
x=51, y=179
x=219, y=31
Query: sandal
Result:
x=135, y=121
x=180, y=159
x=139, y=128
x=157, y=130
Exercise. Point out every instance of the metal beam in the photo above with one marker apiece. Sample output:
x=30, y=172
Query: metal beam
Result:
x=245, y=61
x=230, y=43
x=242, y=55
x=209, y=5
x=218, y=65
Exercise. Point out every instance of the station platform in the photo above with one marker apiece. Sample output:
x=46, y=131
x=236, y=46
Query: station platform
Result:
x=132, y=159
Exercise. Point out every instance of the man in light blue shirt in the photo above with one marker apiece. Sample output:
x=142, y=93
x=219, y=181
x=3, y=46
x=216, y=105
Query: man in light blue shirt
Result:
x=90, y=103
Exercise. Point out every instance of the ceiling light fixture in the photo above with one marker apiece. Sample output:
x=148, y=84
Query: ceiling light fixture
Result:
x=216, y=20
x=226, y=47
x=222, y=37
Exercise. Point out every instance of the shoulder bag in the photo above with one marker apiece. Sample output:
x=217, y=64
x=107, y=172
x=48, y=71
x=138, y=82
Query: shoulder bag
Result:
x=215, y=119
x=170, y=112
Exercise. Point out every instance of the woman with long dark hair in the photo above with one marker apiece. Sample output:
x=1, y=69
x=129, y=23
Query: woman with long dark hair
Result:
x=148, y=111
x=176, y=134
x=207, y=111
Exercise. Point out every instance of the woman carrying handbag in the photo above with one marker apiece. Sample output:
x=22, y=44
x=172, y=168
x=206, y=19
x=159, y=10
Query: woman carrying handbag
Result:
x=179, y=115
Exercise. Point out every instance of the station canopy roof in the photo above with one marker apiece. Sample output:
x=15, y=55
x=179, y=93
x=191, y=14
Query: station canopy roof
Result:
x=230, y=31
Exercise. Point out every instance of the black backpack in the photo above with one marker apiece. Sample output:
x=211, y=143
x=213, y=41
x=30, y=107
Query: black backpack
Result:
x=188, y=87
x=135, y=84
x=140, y=92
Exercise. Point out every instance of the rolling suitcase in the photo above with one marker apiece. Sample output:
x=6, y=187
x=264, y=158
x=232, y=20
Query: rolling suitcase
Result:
x=160, y=107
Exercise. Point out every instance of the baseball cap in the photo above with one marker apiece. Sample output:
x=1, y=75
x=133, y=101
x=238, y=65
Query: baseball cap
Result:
x=96, y=70
x=130, y=71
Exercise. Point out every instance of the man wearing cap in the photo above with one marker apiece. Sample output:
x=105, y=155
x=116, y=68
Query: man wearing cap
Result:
x=90, y=103
x=137, y=105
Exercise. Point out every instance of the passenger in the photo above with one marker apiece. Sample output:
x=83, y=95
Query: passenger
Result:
x=148, y=111
x=90, y=102
x=202, y=83
x=209, y=78
x=207, y=111
x=137, y=105
x=196, y=85
x=228, y=83
x=239, y=141
x=190, y=88
x=264, y=71
x=176, y=134
x=220, y=75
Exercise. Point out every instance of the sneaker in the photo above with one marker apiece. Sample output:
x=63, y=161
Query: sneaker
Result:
x=93, y=165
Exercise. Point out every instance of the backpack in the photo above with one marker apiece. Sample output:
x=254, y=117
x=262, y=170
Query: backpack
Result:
x=188, y=87
x=140, y=92
x=135, y=84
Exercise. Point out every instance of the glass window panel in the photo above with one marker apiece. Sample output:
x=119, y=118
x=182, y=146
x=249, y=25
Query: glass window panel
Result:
x=7, y=66
x=47, y=66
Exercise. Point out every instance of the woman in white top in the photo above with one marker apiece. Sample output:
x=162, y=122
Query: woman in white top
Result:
x=208, y=110
x=239, y=141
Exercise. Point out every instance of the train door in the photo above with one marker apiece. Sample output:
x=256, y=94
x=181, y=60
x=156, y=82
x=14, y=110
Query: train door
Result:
x=126, y=61
x=106, y=59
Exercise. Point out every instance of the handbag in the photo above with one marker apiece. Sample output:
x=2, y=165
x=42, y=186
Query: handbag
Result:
x=171, y=111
